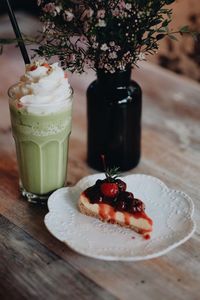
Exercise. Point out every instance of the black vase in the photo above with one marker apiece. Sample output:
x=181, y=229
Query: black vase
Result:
x=114, y=105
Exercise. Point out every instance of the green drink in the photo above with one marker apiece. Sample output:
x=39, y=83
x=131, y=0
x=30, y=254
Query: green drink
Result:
x=41, y=133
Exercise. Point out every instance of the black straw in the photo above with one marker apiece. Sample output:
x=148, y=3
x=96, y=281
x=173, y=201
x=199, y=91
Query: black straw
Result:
x=17, y=33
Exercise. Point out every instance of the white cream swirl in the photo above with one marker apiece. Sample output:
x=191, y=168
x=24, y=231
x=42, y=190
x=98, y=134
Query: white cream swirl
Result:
x=42, y=89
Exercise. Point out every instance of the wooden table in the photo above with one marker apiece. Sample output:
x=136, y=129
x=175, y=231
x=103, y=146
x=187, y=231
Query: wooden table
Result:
x=34, y=265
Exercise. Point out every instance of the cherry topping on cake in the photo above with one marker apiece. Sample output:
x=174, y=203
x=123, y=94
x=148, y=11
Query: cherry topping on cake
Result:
x=112, y=191
x=99, y=199
x=99, y=182
x=136, y=205
x=128, y=196
x=123, y=201
x=115, y=203
x=121, y=205
x=121, y=185
x=109, y=186
x=109, y=189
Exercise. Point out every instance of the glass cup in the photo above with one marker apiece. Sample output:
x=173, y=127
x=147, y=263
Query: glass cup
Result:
x=41, y=133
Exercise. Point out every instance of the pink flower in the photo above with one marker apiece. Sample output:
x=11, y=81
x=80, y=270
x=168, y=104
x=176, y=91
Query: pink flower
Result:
x=95, y=45
x=117, y=48
x=49, y=8
x=47, y=26
x=109, y=68
x=90, y=63
x=68, y=16
x=141, y=56
x=101, y=23
x=104, y=47
x=101, y=13
x=112, y=43
x=122, y=4
x=101, y=65
x=58, y=8
x=88, y=13
x=112, y=55
x=93, y=38
x=115, y=12
x=128, y=6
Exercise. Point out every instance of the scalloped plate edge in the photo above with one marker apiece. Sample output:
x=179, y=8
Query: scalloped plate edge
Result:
x=123, y=258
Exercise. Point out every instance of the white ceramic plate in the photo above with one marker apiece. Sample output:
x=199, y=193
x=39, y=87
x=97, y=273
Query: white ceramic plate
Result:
x=170, y=210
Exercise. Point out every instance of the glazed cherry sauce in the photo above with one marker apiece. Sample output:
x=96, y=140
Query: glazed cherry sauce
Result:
x=124, y=201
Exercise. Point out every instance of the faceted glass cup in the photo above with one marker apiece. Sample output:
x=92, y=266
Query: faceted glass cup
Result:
x=41, y=133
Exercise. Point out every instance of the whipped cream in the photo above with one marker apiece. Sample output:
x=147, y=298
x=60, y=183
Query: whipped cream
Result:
x=42, y=89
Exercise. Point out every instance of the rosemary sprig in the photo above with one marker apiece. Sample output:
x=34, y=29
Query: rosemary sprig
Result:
x=111, y=173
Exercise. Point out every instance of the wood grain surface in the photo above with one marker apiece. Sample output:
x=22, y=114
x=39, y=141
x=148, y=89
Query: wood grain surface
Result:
x=34, y=265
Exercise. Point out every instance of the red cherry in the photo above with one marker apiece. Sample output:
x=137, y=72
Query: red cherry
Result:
x=129, y=196
x=99, y=199
x=136, y=206
x=109, y=189
x=121, y=185
x=99, y=182
x=123, y=201
x=121, y=205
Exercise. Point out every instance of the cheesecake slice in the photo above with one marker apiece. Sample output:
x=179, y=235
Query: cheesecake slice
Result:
x=109, y=201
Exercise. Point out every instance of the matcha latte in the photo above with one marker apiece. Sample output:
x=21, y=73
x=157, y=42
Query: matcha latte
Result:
x=40, y=108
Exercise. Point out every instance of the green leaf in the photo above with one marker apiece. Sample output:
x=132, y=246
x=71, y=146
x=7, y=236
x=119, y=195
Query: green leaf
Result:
x=172, y=37
x=162, y=30
x=165, y=23
x=184, y=29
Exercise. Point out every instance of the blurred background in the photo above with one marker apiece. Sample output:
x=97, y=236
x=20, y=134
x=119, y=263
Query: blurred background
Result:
x=182, y=57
